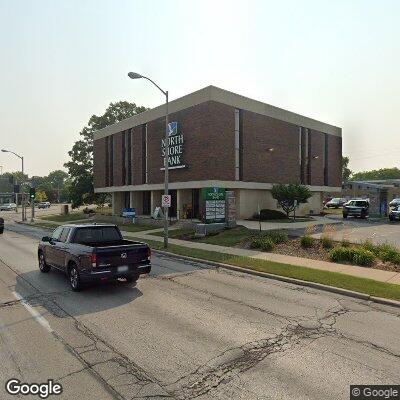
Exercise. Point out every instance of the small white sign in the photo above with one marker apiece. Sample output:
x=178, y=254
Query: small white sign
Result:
x=166, y=200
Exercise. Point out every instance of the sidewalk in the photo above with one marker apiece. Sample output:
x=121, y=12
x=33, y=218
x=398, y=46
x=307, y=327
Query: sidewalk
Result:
x=361, y=272
x=270, y=225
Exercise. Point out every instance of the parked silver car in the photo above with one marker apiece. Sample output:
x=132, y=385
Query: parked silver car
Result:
x=8, y=207
x=336, y=202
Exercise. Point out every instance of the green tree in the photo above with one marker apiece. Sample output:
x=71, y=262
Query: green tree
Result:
x=346, y=171
x=40, y=196
x=288, y=195
x=80, y=167
x=377, y=174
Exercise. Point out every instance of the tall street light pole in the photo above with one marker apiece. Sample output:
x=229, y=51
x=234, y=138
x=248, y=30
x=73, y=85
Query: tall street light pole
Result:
x=23, y=197
x=134, y=75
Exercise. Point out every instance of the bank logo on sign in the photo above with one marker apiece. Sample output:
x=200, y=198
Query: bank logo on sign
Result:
x=172, y=128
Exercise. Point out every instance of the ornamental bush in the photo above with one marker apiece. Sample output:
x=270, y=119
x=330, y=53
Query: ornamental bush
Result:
x=339, y=254
x=263, y=243
x=306, y=241
x=327, y=242
x=361, y=256
x=277, y=237
x=267, y=244
x=354, y=255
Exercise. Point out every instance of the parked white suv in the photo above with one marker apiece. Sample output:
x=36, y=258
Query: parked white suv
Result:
x=8, y=207
x=394, y=203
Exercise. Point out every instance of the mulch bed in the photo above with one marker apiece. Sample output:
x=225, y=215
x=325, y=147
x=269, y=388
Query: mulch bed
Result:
x=317, y=252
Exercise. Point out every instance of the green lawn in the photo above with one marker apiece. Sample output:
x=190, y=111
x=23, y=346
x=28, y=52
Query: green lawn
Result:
x=361, y=285
x=98, y=219
x=64, y=218
x=227, y=237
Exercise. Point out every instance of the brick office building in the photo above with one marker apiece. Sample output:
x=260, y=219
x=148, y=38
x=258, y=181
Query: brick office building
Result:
x=218, y=139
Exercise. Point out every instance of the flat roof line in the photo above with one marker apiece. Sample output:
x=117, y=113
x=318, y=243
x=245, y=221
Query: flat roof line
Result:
x=213, y=93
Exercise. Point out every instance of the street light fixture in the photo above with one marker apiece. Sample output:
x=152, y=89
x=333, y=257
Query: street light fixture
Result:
x=134, y=75
x=23, y=197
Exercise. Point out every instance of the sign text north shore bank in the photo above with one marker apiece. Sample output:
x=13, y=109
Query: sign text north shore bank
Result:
x=175, y=147
x=217, y=139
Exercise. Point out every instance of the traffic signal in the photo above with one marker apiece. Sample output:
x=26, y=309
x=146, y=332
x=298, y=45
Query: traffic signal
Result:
x=32, y=193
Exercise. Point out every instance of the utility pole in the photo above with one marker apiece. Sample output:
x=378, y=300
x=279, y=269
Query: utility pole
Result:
x=134, y=75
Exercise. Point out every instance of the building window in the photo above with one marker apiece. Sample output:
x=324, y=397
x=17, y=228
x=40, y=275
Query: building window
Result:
x=237, y=145
x=107, y=158
x=128, y=146
x=123, y=161
x=326, y=152
x=144, y=154
x=111, y=159
x=305, y=154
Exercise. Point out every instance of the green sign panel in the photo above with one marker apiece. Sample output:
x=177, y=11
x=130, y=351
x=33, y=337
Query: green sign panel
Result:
x=213, y=193
x=215, y=204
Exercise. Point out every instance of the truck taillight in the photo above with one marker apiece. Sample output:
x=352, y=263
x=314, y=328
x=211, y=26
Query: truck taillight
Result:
x=148, y=253
x=93, y=260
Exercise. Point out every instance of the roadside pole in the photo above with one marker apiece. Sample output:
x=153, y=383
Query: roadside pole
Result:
x=32, y=195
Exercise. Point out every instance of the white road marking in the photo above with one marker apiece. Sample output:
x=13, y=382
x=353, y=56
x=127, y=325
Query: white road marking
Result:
x=39, y=318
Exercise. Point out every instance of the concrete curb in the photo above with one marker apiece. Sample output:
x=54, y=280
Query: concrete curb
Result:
x=314, y=285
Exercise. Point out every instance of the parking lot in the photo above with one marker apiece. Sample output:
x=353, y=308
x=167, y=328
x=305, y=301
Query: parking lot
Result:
x=356, y=231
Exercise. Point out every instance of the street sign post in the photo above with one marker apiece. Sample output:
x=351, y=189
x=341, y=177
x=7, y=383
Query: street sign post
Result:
x=166, y=200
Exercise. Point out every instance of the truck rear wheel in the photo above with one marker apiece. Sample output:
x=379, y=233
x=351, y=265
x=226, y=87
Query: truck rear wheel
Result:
x=74, y=279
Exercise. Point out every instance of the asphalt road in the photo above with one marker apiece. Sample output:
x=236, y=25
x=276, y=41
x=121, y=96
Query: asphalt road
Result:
x=187, y=331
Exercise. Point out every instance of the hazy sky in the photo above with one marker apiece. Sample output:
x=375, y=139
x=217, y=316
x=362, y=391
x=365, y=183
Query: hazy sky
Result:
x=62, y=61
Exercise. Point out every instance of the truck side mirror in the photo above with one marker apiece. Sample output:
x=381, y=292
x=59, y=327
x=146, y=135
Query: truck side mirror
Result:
x=46, y=239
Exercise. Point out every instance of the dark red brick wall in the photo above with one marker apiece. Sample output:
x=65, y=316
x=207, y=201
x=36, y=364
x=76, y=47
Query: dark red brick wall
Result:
x=317, y=142
x=208, y=131
x=99, y=163
x=260, y=165
x=334, y=161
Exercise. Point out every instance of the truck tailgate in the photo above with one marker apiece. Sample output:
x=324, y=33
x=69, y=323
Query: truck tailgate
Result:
x=114, y=256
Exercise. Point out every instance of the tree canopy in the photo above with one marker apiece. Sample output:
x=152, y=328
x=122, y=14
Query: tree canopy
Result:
x=52, y=185
x=377, y=174
x=346, y=171
x=80, y=167
x=288, y=195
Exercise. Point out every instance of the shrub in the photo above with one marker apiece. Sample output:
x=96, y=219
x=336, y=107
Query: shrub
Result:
x=263, y=243
x=306, y=241
x=278, y=237
x=267, y=244
x=340, y=253
x=345, y=243
x=266, y=214
x=87, y=210
x=368, y=245
x=255, y=243
x=355, y=255
x=361, y=256
x=389, y=253
x=327, y=242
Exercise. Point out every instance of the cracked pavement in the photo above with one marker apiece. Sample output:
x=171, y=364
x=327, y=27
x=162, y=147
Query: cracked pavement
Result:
x=189, y=331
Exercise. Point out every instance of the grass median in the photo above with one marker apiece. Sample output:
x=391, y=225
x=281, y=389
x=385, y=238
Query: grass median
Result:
x=361, y=285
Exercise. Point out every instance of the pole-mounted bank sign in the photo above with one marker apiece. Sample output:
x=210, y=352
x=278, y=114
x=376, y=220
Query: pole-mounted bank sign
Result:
x=175, y=147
